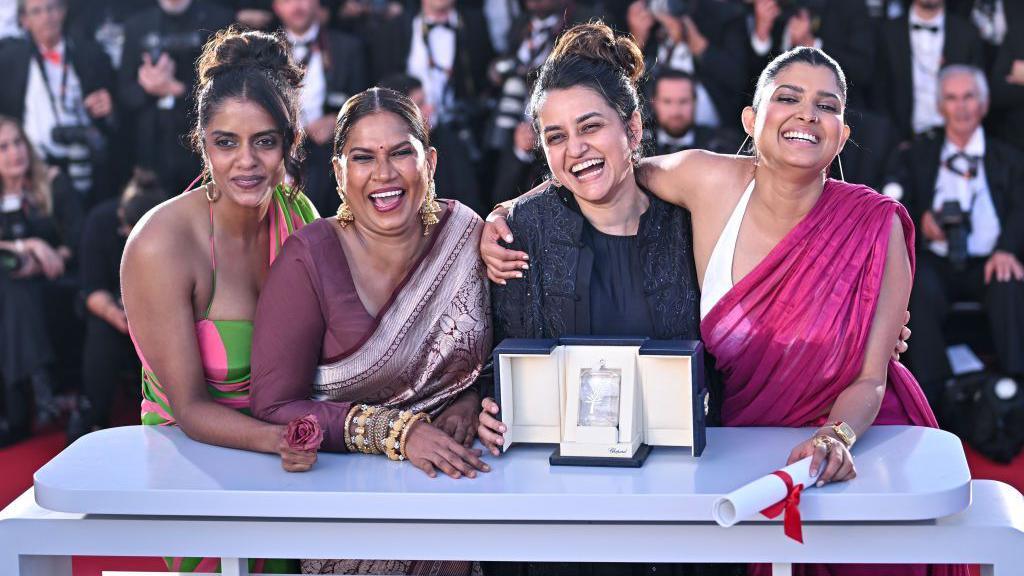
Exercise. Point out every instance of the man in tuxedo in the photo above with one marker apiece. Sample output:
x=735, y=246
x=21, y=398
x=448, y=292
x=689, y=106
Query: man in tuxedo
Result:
x=157, y=83
x=335, y=70
x=964, y=171
x=1008, y=79
x=59, y=88
x=915, y=47
x=673, y=102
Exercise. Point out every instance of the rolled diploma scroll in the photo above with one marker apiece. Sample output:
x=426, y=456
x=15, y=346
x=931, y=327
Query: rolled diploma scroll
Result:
x=749, y=500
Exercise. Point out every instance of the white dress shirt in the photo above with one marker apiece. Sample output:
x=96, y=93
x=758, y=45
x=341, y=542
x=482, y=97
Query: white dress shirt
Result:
x=925, y=62
x=949, y=185
x=435, y=78
x=534, y=50
x=314, y=84
x=40, y=113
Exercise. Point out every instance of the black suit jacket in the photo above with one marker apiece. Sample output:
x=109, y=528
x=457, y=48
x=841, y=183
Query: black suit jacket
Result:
x=917, y=169
x=344, y=68
x=1006, y=115
x=389, y=51
x=962, y=46
x=90, y=62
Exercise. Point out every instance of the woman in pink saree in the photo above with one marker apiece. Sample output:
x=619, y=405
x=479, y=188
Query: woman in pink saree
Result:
x=804, y=278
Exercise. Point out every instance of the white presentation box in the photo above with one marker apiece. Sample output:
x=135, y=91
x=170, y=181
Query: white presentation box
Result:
x=604, y=400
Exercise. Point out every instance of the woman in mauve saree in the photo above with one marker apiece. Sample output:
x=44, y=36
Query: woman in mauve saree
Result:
x=380, y=312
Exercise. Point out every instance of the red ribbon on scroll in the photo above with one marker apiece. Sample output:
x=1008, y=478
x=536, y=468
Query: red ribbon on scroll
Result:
x=790, y=505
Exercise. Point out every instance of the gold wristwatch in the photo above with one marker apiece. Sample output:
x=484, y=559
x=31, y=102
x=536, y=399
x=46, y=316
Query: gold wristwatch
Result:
x=845, y=432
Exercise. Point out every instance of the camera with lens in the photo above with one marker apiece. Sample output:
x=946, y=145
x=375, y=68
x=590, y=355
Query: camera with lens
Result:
x=11, y=261
x=956, y=224
x=86, y=143
x=184, y=43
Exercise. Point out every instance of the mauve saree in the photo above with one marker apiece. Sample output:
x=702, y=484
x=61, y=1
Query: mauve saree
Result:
x=791, y=335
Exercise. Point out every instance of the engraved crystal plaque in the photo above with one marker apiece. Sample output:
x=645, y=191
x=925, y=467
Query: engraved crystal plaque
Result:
x=599, y=396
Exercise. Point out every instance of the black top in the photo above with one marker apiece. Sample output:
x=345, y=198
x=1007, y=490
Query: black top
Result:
x=617, y=303
x=102, y=246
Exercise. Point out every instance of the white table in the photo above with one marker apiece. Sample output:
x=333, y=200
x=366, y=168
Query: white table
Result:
x=150, y=491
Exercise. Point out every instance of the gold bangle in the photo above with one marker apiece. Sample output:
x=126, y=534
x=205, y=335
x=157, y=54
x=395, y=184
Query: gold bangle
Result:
x=348, y=428
x=405, y=432
x=362, y=438
x=398, y=426
x=381, y=424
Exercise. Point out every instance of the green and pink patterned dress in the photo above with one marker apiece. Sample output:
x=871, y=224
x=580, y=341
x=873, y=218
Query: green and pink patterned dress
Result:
x=225, y=348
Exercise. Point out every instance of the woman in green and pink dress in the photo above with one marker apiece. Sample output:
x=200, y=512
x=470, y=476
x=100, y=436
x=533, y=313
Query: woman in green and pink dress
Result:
x=193, y=267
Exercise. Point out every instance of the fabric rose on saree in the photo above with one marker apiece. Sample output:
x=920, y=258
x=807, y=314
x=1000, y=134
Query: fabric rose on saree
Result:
x=304, y=434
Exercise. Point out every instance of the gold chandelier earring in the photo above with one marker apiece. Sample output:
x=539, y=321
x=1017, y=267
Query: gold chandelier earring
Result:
x=345, y=215
x=430, y=208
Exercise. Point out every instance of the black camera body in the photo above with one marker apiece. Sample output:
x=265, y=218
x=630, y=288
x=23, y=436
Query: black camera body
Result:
x=11, y=261
x=956, y=224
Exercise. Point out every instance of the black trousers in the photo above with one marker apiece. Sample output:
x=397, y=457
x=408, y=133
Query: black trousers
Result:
x=936, y=287
x=108, y=360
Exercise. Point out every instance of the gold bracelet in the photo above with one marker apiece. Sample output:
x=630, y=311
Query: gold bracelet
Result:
x=348, y=428
x=391, y=448
x=381, y=424
x=362, y=438
x=405, y=432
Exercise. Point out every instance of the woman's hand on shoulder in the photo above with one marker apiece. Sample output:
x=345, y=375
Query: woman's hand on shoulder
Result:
x=430, y=449
x=502, y=263
x=460, y=419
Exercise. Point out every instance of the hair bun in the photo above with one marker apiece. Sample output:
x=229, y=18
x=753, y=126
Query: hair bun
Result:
x=596, y=41
x=232, y=49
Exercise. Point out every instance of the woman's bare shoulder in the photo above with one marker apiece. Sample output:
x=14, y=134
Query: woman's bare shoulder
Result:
x=169, y=230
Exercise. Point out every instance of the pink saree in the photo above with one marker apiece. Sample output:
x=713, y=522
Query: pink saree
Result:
x=791, y=335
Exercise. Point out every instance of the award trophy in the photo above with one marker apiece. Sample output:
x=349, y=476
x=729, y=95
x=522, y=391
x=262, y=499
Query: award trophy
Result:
x=599, y=396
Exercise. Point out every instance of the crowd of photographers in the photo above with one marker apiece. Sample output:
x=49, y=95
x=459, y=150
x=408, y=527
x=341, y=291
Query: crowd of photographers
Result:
x=97, y=100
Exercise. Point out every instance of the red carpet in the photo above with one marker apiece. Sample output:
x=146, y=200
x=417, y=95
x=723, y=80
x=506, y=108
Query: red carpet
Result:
x=20, y=461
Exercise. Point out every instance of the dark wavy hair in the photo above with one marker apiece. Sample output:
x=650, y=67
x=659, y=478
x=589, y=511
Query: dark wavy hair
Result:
x=257, y=67
x=591, y=56
x=376, y=100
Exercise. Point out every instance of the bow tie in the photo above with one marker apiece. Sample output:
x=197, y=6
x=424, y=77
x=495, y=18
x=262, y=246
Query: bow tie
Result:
x=963, y=164
x=443, y=24
x=52, y=56
x=929, y=27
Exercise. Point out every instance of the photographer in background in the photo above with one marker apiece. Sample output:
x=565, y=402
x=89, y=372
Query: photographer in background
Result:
x=60, y=89
x=108, y=358
x=704, y=38
x=156, y=83
x=335, y=66
x=965, y=191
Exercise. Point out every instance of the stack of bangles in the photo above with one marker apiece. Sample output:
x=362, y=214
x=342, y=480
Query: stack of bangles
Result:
x=379, y=430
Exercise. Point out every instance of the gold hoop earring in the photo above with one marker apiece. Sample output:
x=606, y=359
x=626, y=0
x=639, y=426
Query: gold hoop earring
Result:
x=212, y=193
x=345, y=215
x=430, y=208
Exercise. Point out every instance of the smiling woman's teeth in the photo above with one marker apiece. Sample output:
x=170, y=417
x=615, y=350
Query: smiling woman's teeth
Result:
x=795, y=135
x=581, y=166
x=385, y=195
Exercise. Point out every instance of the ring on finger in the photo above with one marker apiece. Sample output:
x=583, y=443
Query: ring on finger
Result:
x=826, y=442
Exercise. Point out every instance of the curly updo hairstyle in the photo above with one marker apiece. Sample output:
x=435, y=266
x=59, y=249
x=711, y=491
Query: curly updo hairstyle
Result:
x=591, y=56
x=257, y=67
